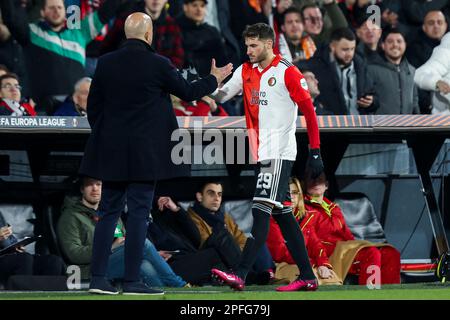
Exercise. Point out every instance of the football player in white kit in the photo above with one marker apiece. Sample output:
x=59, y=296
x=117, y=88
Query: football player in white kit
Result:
x=273, y=89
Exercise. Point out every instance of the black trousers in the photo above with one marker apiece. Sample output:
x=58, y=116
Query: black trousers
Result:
x=28, y=264
x=195, y=268
x=138, y=197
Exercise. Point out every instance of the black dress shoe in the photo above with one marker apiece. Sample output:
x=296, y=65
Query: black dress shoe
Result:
x=100, y=285
x=136, y=288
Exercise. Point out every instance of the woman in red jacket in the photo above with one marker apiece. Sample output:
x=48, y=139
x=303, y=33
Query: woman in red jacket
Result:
x=316, y=251
x=323, y=227
x=325, y=219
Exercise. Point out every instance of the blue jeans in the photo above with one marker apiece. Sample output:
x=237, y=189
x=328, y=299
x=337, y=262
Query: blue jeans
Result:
x=154, y=271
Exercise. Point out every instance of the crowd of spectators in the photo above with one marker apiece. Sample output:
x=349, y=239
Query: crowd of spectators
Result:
x=364, y=63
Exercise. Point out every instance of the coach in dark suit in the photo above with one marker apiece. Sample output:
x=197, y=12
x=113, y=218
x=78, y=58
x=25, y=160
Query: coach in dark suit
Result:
x=129, y=149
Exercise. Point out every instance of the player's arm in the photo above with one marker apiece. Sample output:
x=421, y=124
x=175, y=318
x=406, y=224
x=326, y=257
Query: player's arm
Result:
x=229, y=89
x=298, y=91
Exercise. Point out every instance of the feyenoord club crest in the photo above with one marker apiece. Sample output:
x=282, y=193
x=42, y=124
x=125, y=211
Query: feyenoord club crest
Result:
x=272, y=81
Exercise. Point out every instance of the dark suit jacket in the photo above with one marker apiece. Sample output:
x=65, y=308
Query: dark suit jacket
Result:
x=331, y=95
x=131, y=115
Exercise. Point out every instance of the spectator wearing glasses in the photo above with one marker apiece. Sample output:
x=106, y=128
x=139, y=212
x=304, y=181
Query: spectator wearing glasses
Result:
x=320, y=27
x=10, y=97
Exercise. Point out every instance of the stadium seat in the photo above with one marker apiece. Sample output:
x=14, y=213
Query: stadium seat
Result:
x=360, y=216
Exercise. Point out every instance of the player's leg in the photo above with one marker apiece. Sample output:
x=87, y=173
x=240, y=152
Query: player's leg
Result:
x=265, y=198
x=293, y=236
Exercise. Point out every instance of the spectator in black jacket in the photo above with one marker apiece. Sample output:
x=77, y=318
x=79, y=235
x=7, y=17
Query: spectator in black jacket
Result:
x=201, y=41
x=343, y=82
x=171, y=229
x=433, y=29
x=416, y=10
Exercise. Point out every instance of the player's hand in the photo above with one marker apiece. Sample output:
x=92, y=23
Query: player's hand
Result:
x=314, y=164
x=220, y=73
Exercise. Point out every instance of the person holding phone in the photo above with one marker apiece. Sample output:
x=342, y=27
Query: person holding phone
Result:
x=342, y=76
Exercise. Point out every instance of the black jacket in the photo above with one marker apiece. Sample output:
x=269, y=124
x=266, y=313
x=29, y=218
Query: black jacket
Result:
x=201, y=43
x=131, y=115
x=174, y=231
x=331, y=95
x=420, y=50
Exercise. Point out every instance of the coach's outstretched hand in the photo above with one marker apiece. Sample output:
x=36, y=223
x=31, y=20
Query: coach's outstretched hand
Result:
x=221, y=73
x=314, y=164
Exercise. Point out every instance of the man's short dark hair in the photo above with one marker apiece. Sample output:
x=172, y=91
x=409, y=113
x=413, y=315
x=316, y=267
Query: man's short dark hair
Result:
x=343, y=33
x=83, y=180
x=291, y=10
x=388, y=31
x=44, y=3
x=8, y=76
x=261, y=31
x=202, y=185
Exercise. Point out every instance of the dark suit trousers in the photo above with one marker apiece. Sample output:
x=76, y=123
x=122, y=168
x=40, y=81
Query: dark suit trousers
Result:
x=138, y=197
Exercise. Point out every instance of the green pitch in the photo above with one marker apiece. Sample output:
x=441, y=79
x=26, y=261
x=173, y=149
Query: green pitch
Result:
x=422, y=291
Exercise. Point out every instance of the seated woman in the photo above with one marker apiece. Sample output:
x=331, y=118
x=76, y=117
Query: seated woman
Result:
x=339, y=250
x=286, y=267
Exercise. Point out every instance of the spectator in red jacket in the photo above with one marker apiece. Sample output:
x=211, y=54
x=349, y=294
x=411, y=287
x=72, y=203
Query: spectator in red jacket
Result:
x=10, y=97
x=323, y=226
x=277, y=245
x=325, y=219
